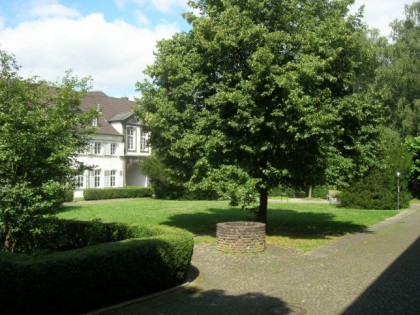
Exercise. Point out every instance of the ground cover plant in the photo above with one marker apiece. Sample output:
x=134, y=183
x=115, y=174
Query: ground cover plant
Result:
x=303, y=226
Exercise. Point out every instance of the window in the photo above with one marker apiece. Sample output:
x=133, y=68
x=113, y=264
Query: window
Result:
x=112, y=178
x=113, y=148
x=80, y=181
x=97, y=148
x=143, y=141
x=97, y=178
x=95, y=122
x=130, y=139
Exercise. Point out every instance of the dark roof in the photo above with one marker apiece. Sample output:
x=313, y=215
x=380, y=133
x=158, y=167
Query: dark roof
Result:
x=112, y=109
x=121, y=116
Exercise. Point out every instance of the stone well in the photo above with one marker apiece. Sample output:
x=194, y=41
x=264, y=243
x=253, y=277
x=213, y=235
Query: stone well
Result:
x=241, y=237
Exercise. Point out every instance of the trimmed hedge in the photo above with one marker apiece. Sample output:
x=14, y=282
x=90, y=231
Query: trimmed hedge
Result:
x=79, y=280
x=114, y=193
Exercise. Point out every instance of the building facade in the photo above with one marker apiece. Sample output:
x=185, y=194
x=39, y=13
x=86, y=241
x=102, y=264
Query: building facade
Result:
x=117, y=148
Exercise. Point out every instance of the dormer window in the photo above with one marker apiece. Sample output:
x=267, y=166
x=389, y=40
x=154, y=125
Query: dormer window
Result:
x=95, y=122
x=143, y=141
x=113, y=148
x=97, y=148
x=131, y=138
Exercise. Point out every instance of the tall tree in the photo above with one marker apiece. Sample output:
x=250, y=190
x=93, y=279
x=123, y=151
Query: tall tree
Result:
x=399, y=76
x=262, y=92
x=41, y=130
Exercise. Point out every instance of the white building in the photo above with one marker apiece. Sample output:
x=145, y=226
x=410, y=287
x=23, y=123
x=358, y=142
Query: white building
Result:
x=117, y=148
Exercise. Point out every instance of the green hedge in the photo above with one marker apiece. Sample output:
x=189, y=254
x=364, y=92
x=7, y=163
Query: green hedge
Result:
x=79, y=280
x=114, y=193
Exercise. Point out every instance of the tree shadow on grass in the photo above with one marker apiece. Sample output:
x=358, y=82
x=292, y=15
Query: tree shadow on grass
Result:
x=290, y=223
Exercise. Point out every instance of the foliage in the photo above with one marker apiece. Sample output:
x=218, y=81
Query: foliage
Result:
x=41, y=129
x=413, y=147
x=160, y=179
x=264, y=93
x=120, y=192
x=321, y=192
x=166, y=187
x=76, y=281
x=399, y=76
x=378, y=189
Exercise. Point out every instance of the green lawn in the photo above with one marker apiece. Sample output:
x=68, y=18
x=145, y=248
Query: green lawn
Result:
x=303, y=226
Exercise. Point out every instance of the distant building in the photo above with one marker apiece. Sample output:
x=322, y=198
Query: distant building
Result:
x=116, y=149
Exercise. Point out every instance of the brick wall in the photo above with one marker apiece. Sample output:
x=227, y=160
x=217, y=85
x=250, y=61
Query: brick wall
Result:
x=241, y=237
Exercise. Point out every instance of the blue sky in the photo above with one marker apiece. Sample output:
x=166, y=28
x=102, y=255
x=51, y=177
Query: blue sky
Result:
x=111, y=40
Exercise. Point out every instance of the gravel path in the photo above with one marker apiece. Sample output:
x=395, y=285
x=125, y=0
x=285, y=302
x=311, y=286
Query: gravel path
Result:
x=373, y=272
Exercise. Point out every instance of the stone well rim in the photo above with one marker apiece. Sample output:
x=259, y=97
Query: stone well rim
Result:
x=241, y=224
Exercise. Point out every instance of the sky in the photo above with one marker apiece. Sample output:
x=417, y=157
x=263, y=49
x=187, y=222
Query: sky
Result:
x=112, y=41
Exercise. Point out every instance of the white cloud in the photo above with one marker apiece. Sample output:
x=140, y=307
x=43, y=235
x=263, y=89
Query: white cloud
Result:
x=163, y=6
x=380, y=13
x=51, y=8
x=114, y=54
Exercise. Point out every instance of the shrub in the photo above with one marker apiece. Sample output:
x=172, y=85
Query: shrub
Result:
x=114, y=193
x=74, y=281
x=23, y=209
x=68, y=195
x=378, y=190
x=320, y=192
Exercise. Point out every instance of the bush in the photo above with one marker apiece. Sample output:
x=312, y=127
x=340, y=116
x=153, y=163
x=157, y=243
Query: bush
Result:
x=378, y=190
x=68, y=195
x=114, y=193
x=74, y=281
x=320, y=192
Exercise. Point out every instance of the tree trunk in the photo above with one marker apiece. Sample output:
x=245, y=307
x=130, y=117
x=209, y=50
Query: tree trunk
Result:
x=310, y=192
x=262, y=210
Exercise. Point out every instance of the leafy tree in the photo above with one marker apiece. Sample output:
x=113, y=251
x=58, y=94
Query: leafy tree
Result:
x=41, y=129
x=413, y=146
x=378, y=189
x=260, y=93
x=163, y=186
x=399, y=76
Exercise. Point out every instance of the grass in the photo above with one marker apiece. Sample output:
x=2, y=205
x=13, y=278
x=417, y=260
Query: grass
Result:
x=303, y=226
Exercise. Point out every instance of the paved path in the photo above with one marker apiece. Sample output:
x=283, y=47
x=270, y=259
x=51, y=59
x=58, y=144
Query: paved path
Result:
x=375, y=272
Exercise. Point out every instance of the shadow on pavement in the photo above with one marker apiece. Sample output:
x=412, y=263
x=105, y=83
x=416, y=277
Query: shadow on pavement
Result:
x=211, y=302
x=396, y=291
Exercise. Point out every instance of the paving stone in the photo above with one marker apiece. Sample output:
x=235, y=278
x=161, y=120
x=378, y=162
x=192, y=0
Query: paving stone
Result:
x=375, y=272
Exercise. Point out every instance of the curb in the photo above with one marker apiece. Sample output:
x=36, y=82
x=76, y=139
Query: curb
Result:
x=140, y=299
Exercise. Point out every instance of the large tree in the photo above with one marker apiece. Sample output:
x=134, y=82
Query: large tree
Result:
x=399, y=76
x=41, y=130
x=262, y=92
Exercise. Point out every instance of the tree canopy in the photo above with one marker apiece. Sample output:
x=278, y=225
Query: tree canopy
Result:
x=399, y=76
x=41, y=131
x=262, y=92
